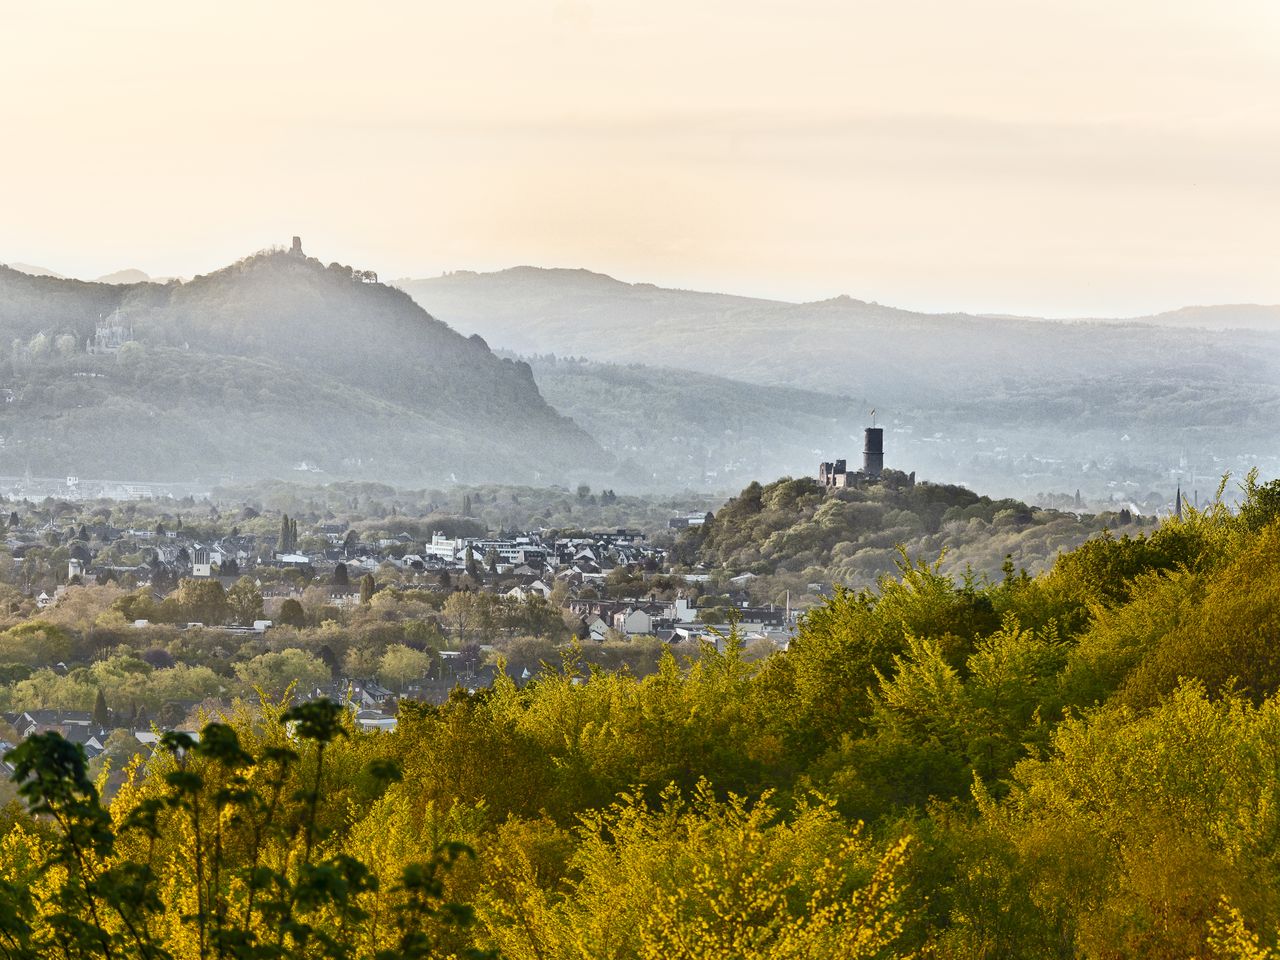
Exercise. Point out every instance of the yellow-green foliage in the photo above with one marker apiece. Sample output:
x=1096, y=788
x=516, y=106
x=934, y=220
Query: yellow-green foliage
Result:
x=1082, y=764
x=700, y=878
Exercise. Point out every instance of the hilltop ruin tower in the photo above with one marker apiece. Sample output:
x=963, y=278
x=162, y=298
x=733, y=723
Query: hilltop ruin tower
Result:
x=296, y=249
x=835, y=475
x=873, y=452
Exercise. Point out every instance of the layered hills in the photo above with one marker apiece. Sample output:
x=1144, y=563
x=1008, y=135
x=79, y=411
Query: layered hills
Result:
x=1016, y=405
x=275, y=363
x=841, y=345
x=675, y=430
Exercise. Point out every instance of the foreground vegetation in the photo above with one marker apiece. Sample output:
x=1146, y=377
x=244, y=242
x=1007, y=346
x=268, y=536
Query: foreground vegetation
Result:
x=1084, y=763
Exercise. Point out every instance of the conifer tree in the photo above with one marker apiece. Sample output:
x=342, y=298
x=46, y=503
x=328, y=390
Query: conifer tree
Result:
x=288, y=534
x=101, y=714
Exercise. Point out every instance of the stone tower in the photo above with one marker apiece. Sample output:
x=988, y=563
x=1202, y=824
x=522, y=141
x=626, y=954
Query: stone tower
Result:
x=873, y=452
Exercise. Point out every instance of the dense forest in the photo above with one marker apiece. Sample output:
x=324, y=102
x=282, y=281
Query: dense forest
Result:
x=1082, y=763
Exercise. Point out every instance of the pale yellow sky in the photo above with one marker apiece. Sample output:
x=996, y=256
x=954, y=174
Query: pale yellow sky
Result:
x=1061, y=158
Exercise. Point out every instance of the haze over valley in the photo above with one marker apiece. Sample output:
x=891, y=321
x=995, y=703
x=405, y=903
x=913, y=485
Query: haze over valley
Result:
x=1117, y=408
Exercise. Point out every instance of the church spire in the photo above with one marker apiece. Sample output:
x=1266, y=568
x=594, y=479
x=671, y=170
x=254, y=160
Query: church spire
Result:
x=1177, y=502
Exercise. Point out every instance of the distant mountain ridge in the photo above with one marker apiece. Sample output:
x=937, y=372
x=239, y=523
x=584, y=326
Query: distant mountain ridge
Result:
x=571, y=282
x=840, y=345
x=34, y=271
x=129, y=275
x=1226, y=316
x=250, y=371
x=125, y=276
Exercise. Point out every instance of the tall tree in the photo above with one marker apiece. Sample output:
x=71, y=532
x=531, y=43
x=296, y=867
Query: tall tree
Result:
x=292, y=614
x=202, y=601
x=245, y=601
x=400, y=665
x=460, y=615
x=101, y=714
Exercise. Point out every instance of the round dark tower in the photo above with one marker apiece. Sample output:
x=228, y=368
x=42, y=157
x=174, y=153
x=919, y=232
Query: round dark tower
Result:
x=873, y=452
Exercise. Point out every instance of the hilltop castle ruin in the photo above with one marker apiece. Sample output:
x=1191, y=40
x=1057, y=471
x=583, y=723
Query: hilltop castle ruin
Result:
x=835, y=475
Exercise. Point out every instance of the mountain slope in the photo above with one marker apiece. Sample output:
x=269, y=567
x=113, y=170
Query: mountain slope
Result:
x=677, y=430
x=273, y=360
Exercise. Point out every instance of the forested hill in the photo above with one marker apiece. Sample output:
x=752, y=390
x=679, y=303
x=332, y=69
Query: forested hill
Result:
x=248, y=371
x=793, y=532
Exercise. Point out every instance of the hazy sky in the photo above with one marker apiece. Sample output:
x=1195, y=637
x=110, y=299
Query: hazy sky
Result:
x=1026, y=156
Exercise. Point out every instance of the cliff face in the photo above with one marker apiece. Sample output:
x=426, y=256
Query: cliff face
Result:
x=314, y=363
